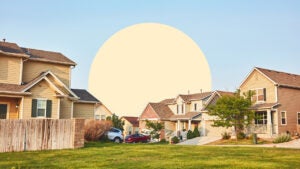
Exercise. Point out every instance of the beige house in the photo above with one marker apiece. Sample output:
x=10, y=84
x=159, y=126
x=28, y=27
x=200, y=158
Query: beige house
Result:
x=276, y=101
x=131, y=125
x=36, y=84
x=102, y=112
x=178, y=114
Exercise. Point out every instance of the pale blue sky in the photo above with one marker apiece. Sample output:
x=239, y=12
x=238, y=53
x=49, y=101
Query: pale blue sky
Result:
x=235, y=35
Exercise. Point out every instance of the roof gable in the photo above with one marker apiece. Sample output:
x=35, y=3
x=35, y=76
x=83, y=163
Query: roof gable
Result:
x=132, y=120
x=162, y=110
x=195, y=96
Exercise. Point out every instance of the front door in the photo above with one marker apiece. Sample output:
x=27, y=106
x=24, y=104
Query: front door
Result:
x=3, y=111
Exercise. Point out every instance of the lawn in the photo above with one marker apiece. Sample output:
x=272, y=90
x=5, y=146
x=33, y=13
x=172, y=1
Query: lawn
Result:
x=110, y=155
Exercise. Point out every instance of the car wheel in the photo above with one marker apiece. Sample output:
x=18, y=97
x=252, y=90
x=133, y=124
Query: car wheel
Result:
x=117, y=140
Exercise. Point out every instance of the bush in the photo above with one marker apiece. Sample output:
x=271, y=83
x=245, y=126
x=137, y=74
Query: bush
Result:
x=189, y=135
x=163, y=140
x=282, y=138
x=196, y=132
x=175, y=140
x=94, y=129
x=240, y=135
x=226, y=136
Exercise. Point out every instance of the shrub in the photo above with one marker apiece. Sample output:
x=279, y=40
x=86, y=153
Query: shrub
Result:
x=226, y=136
x=175, y=140
x=94, y=129
x=163, y=140
x=196, y=132
x=240, y=135
x=282, y=138
x=189, y=135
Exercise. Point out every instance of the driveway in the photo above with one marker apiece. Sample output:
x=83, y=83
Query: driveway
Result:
x=200, y=140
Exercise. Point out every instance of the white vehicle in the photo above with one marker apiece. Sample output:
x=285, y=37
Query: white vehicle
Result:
x=115, y=135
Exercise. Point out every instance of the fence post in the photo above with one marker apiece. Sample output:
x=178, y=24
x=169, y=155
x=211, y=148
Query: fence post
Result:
x=25, y=140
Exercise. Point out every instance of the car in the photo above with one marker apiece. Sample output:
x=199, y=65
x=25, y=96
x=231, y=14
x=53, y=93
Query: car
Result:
x=135, y=138
x=115, y=134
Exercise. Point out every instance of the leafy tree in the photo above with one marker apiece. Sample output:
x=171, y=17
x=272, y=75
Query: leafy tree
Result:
x=116, y=122
x=233, y=111
x=190, y=134
x=156, y=128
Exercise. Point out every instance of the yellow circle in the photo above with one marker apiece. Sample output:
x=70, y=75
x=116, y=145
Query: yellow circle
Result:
x=145, y=63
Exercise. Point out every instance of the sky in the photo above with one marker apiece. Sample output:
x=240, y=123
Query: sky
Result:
x=234, y=35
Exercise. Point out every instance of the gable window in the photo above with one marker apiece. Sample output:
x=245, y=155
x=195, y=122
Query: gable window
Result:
x=41, y=108
x=195, y=106
x=261, y=117
x=182, y=108
x=178, y=108
x=259, y=95
x=283, y=117
x=298, y=118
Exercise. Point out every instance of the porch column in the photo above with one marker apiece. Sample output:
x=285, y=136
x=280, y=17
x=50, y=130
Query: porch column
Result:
x=178, y=125
x=269, y=122
x=203, y=127
x=189, y=127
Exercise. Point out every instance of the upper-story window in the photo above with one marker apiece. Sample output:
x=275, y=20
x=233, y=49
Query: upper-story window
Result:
x=195, y=107
x=259, y=95
x=182, y=108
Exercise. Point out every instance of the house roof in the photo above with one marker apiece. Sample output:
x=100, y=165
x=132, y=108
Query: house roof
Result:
x=132, y=120
x=264, y=106
x=162, y=110
x=281, y=78
x=84, y=95
x=196, y=96
x=189, y=115
x=168, y=101
x=35, y=54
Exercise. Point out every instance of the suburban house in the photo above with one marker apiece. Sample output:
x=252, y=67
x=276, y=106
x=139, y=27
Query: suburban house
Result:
x=276, y=101
x=131, y=125
x=178, y=114
x=36, y=84
x=207, y=120
x=102, y=112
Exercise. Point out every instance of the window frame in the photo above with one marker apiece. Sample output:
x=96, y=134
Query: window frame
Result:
x=195, y=106
x=263, y=120
x=281, y=118
x=257, y=95
x=298, y=118
x=37, y=107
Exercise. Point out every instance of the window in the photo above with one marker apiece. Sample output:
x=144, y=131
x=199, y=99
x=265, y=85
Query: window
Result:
x=283, y=117
x=177, y=108
x=182, y=108
x=298, y=118
x=259, y=95
x=97, y=117
x=195, y=106
x=103, y=117
x=41, y=108
x=260, y=117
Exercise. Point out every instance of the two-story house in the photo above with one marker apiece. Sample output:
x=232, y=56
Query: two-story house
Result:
x=36, y=84
x=276, y=101
x=177, y=114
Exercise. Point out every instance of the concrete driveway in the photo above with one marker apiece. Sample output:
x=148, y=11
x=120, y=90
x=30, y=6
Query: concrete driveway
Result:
x=200, y=140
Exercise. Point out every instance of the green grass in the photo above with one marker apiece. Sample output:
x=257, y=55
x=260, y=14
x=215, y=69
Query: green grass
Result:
x=110, y=155
x=239, y=142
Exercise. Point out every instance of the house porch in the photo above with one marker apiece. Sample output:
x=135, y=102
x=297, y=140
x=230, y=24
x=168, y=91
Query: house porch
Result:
x=10, y=107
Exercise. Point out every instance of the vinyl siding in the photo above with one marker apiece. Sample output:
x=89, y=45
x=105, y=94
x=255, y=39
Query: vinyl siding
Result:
x=65, y=108
x=41, y=90
x=84, y=110
x=257, y=80
x=10, y=69
x=33, y=68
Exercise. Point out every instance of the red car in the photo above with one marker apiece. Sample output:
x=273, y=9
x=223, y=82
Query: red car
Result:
x=135, y=138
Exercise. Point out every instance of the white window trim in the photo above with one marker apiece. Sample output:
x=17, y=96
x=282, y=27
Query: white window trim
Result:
x=285, y=118
x=256, y=92
x=41, y=117
x=7, y=111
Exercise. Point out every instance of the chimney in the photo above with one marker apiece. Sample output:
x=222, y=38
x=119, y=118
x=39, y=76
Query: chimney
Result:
x=4, y=39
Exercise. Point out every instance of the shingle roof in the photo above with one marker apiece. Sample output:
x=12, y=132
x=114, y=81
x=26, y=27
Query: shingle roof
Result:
x=132, y=120
x=168, y=101
x=84, y=95
x=281, y=78
x=264, y=106
x=196, y=96
x=162, y=110
x=225, y=93
x=188, y=115
x=4, y=87
x=35, y=54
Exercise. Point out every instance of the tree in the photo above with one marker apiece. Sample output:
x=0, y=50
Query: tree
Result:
x=116, y=122
x=233, y=111
x=156, y=128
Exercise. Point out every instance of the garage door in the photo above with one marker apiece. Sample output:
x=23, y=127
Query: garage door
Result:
x=214, y=131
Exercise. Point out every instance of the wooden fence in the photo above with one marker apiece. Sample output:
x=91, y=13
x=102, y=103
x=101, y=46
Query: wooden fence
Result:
x=41, y=134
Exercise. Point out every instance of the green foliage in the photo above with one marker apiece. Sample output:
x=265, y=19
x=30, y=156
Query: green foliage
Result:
x=190, y=134
x=282, y=138
x=226, y=135
x=241, y=135
x=116, y=122
x=233, y=111
x=175, y=140
x=156, y=127
x=196, y=132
